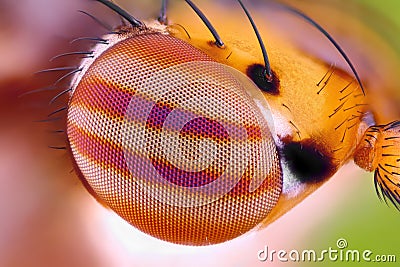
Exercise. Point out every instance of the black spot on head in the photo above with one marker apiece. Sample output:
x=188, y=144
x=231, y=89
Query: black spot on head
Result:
x=256, y=72
x=308, y=161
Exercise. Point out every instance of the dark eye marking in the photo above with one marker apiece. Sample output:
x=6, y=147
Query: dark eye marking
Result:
x=262, y=76
x=308, y=161
x=256, y=73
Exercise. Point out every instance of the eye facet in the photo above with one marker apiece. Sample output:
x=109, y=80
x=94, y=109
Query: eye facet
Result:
x=174, y=142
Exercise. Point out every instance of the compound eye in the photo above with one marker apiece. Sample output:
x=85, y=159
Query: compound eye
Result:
x=175, y=143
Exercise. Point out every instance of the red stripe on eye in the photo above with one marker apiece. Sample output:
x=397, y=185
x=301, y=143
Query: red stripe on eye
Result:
x=205, y=128
x=105, y=98
x=183, y=178
x=253, y=133
x=158, y=115
x=191, y=136
x=106, y=154
x=97, y=149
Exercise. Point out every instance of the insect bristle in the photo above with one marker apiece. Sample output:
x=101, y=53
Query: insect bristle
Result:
x=162, y=18
x=117, y=9
x=39, y=90
x=380, y=152
x=58, y=147
x=267, y=70
x=57, y=69
x=49, y=120
x=53, y=100
x=386, y=189
x=218, y=40
x=329, y=37
x=58, y=111
x=69, y=74
x=85, y=54
x=92, y=39
x=325, y=79
x=98, y=21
